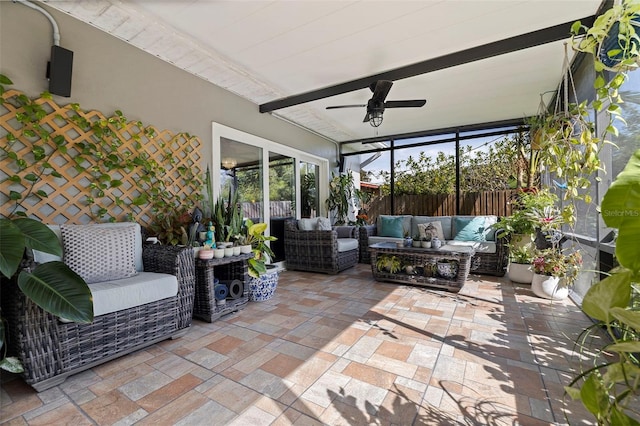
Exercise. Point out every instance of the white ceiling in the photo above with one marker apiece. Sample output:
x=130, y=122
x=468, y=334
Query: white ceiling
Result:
x=267, y=50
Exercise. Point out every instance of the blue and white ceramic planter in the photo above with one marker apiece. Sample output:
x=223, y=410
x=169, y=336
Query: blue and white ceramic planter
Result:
x=263, y=288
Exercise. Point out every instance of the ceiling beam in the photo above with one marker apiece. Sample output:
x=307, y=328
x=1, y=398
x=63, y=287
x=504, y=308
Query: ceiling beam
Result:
x=523, y=41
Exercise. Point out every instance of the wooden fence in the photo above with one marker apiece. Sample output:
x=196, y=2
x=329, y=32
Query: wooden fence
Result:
x=471, y=203
x=276, y=209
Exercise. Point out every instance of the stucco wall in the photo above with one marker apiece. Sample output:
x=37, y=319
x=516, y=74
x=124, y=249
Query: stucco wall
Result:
x=109, y=74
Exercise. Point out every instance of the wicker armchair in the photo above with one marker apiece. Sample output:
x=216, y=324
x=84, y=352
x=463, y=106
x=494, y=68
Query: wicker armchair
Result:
x=319, y=251
x=51, y=350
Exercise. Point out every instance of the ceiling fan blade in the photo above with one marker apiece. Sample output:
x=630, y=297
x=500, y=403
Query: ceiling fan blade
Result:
x=416, y=103
x=381, y=90
x=346, y=106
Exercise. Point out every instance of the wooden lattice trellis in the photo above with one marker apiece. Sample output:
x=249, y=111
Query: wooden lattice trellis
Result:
x=68, y=195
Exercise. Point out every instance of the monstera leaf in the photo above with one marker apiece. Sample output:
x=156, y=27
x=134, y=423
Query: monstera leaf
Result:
x=53, y=285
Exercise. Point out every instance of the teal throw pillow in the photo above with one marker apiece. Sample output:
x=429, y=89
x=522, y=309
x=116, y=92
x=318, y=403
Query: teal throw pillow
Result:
x=391, y=227
x=470, y=228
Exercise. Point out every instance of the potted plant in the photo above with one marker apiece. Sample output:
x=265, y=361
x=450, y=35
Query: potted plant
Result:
x=263, y=279
x=389, y=263
x=520, y=225
x=520, y=266
x=425, y=242
x=554, y=272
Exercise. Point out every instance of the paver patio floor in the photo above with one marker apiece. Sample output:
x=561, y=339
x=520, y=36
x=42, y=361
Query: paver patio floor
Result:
x=338, y=350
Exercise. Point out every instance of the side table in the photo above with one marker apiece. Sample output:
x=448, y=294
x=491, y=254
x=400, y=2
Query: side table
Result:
x=225, y=269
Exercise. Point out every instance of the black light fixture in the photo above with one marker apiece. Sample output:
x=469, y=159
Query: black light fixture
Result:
x=376, y=118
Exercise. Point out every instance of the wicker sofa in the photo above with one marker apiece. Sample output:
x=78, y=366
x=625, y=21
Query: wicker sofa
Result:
x=51, y=348
x=491, y=253
x=314, y=245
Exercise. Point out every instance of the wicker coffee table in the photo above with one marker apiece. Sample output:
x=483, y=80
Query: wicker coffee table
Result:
x=423, y=265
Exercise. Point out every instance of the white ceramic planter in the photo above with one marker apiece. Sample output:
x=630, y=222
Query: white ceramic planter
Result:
x=548, y=287
x=520, y=273
x=246, y=249
x=218, y=253
x=205, y=253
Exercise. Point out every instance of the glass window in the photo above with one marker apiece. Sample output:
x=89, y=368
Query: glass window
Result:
x=309, y=197
x=241, y=170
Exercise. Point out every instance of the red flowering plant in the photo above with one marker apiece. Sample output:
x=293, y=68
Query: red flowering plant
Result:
x=362, y=219
x=555, y=263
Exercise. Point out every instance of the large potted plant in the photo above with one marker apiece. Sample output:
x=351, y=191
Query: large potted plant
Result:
x=520, y=226
x=554, y=272
x=263, y=277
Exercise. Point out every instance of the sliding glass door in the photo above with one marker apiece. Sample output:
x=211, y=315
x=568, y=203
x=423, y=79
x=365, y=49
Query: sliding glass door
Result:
x=273, y=181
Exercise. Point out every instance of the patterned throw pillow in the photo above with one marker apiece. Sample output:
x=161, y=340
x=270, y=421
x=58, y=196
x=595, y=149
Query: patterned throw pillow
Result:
x=324, y=224
x=100, y=254
x=433, y=228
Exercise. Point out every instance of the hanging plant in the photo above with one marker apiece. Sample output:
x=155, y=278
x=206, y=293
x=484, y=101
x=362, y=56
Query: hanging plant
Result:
x=612, y=39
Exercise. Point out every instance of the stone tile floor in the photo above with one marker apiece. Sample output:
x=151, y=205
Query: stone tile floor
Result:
x=338, y=350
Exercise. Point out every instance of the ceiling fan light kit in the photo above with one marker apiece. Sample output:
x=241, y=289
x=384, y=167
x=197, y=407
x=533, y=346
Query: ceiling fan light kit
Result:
x=376, y=105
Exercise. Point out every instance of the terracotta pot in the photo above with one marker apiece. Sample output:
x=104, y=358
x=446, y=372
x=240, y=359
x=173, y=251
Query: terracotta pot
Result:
x=520, y=273
x=548, y=287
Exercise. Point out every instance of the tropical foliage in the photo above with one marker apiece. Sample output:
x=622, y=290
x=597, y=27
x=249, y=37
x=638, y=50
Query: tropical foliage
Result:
x=499, y=165
x=609, y=388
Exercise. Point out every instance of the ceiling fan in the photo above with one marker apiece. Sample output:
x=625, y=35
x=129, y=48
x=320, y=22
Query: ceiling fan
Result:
x=376, y=105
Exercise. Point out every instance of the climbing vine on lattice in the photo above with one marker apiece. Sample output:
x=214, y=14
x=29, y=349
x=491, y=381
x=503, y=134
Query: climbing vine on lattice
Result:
x=61, y=164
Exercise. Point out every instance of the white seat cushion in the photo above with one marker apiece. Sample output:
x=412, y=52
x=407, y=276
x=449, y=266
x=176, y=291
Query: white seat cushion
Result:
x=146, y=287
x=478, y=246
x=347, y=244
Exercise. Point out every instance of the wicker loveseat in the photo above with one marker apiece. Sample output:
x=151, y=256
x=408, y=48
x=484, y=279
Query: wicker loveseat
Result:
x=51, y=348
x=309, y=247
x=491, y=253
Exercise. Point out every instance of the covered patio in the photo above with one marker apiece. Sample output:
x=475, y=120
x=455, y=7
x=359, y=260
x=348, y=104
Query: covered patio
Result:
x=339, y=349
